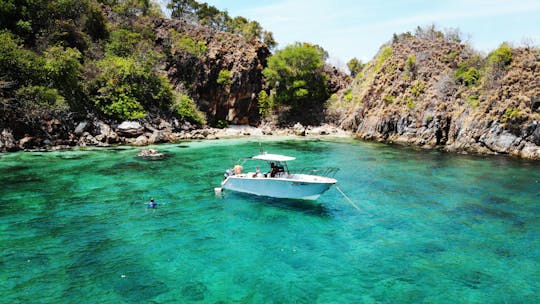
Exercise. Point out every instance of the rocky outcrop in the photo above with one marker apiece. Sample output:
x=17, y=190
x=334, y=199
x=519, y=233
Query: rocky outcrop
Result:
x=410, y=94
x=224, y=79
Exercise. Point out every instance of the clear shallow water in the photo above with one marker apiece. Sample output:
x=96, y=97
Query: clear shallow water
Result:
x=432, y=227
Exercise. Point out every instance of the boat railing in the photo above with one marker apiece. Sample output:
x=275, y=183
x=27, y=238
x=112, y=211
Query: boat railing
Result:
x=328, y=172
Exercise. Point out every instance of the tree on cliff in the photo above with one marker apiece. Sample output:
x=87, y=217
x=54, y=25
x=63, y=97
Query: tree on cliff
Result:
x=355, y=66
x=297, y=81
x=201, y=13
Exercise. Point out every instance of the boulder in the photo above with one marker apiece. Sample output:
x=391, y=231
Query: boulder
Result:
x=81, y=128
x=163, y=124
x=130, y=129
x=27, y=142
x=88, y=140
x=498, y=140
x=112, y=138
x=535, y=133
x=7, y=141
x=299, y=130
x=530, y=151
x=102, y=128
x=141, y=141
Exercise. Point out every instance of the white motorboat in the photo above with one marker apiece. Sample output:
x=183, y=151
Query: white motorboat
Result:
x=278, y=182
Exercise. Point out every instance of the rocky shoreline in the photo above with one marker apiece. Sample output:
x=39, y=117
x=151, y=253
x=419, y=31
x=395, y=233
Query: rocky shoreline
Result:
x=100, y=134
x=96, y=133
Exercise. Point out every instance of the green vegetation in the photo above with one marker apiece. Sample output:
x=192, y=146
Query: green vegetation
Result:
x=410, y=103
x=389, y=99
x=124, y=87
x=473, y=101
x=418, y=88
x=181, y=43
x=296, y=76
x=512, y=113
x=134, y=8
x=451, y=56
x=466, y=75
x=194, y=12
x=410, y=64
x=122, y=43
x=430, y=32
x=384, y=54
x=185, y=108
x=501, y=57
x=348, y=94
x=265, y=103
x=222, y=124
x=224, y=77
x=64, y=55
x=355, y=66
x=40, y=98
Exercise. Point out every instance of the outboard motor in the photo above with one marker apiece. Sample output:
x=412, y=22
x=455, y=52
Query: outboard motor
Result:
x=228, y=173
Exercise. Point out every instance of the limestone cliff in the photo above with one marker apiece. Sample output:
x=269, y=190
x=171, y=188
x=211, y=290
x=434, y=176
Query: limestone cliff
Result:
x=437, y=92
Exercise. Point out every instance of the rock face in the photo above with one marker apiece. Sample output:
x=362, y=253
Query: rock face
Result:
x=225, y=79
x=410, y=94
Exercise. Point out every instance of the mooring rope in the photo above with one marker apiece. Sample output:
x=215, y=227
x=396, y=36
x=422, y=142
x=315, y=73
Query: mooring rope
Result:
x=350, y=201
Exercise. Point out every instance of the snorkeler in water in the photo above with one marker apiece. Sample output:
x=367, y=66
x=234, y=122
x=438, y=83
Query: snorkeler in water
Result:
x=151, y=205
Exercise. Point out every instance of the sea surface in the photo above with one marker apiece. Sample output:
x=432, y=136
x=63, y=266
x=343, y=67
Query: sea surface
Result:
x=428, y=227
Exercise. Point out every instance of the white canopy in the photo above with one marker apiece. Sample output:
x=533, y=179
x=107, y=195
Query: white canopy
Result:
x=273, y=157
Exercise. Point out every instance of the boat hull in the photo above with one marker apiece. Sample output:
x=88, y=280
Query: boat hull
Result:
x=298, y=186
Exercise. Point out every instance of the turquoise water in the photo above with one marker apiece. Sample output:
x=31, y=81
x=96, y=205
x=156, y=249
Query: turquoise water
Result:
x=430, y=228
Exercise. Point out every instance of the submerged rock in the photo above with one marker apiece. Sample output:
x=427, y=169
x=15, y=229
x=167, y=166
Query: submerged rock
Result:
x=151, y=154
x=194, y=291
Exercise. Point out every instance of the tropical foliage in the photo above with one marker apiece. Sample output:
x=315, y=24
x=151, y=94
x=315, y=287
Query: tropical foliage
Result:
x=64, y=55
x=355, y=66
x=204, y=14
x=296, y=77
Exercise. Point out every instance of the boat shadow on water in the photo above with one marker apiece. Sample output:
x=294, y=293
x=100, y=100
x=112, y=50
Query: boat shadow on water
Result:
x=305, y=206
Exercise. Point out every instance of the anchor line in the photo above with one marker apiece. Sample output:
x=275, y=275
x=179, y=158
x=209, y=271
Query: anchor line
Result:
x=350, y=201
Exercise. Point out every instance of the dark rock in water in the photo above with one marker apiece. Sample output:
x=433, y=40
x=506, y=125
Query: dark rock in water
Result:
x=130, y=129
x=151, y=154
x=194, y=291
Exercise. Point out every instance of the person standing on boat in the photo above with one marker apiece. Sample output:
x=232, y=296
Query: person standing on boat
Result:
x=273, y=170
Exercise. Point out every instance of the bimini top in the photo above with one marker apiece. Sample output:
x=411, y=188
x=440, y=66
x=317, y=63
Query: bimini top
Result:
x=273, y=157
